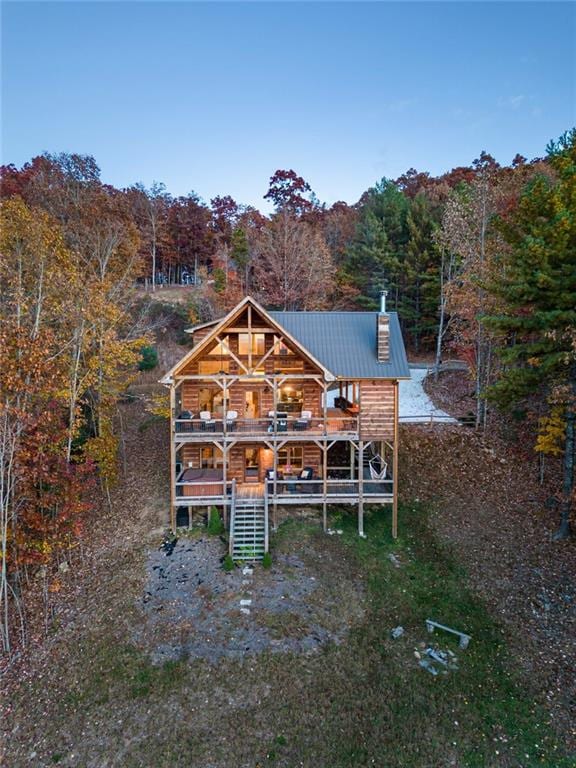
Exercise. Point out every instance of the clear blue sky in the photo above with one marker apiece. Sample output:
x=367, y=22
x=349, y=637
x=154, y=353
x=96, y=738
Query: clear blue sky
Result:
x=215, y=97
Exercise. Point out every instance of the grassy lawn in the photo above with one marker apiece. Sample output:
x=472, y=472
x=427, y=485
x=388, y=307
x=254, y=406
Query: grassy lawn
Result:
x=362, y=702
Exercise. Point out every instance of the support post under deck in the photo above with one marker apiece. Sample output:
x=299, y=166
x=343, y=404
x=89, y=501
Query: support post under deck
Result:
x=361, y=488
x=395, y=468
x=172, y=459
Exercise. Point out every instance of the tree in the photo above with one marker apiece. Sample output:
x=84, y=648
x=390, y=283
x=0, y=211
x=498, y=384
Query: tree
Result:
x=150, y=208
x=240, y=253
x=290, y=192
x=422, y=275
x=292, y=264
x=191, y=237
x=377, y=253
x=467, y=232
x=538, y=288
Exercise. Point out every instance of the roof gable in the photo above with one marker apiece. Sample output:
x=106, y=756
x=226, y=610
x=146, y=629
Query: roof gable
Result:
x=229, y=321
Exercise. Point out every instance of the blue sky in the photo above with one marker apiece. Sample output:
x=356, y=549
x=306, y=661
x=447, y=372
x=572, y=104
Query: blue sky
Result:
x=215, y=97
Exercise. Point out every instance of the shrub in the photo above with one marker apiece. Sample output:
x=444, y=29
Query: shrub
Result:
x=228, y=563
x=149, y=359
x=215, y=524
x=267, y=560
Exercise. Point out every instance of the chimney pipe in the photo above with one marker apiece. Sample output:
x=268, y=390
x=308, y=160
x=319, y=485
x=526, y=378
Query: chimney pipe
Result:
x=383, y=295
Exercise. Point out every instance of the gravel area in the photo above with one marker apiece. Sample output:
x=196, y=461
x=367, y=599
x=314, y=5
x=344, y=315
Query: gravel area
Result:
x=194, y=609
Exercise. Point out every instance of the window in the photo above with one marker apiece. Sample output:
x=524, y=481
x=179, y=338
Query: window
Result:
x=251, y=343
x=211, y=400
x=284, y=350
x=219, y=350
x=207, y=458
x=290, y=399
x=210, y=458
x=289, y=365
x=291, y=456
x=213, y=367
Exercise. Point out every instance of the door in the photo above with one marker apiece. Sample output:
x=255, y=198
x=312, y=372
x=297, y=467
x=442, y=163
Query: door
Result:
x=252, y=408
x=251, y=465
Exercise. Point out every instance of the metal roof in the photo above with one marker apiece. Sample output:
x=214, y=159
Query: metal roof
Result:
x=345, y=342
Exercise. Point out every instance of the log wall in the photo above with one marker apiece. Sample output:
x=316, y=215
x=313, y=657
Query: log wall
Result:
x=377, y=410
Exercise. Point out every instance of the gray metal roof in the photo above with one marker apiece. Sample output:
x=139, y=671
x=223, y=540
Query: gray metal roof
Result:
x=345, y=342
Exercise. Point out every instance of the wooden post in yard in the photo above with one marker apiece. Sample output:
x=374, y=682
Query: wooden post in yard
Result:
x=395, y=462
x=173, y=457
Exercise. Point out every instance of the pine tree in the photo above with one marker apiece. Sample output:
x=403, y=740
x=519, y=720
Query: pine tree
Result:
x=538, y=288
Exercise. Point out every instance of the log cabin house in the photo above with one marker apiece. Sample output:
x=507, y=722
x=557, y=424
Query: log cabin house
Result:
x=275, y=409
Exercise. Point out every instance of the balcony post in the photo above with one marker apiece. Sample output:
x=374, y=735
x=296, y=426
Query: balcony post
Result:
x=224, y=405
x=325, y=408
x=275, y=406
x=324, y=485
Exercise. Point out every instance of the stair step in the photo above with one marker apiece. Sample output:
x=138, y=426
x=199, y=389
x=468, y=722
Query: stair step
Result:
x=241, y=542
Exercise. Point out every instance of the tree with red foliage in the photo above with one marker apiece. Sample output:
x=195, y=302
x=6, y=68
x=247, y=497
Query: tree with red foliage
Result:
x=290, y=192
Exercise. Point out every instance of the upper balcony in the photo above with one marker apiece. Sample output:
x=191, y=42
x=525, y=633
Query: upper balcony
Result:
x=276, y=426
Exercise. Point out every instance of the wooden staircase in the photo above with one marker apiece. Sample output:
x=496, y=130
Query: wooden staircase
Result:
x=249, y=528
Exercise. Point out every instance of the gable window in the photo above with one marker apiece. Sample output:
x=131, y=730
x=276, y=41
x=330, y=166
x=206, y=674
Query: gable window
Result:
x=220, y=350
x=213, y=367
x=251, y=343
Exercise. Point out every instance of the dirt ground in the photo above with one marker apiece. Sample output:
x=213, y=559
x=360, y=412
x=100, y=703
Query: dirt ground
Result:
x=493, y=511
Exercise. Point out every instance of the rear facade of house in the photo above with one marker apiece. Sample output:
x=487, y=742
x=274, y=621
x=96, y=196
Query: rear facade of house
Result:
x=275, y=410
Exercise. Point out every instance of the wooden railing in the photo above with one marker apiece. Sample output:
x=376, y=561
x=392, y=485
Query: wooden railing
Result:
x=288, y=489
x=208, y=490
x=267, y=426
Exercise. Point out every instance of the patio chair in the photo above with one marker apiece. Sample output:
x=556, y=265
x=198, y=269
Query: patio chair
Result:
x=231, y=417
x=183, y=426
x=303, y=422
x=307, y=474
x=207, y=423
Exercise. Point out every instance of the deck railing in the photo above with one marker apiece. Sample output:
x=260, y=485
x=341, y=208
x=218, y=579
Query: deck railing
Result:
x=210, y=491
x=267, y=426
x=287, y=491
